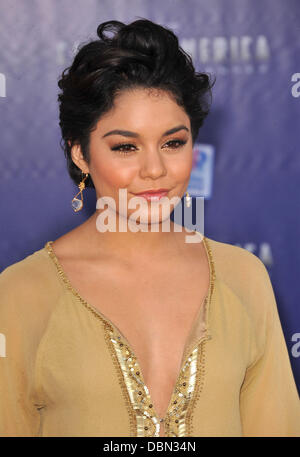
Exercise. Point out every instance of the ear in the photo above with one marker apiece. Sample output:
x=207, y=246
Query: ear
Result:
x=78, y=159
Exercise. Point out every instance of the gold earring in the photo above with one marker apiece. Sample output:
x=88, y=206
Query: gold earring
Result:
x=188, y=200
x=77, y=204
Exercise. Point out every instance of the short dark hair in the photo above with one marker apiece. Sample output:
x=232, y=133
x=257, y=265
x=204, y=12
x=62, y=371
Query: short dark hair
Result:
x=139, y=54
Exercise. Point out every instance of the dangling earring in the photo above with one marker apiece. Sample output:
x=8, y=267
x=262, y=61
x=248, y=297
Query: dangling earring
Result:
x=188, y=200
x=77, y=204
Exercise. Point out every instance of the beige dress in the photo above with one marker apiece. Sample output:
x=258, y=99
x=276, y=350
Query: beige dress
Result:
x=69, y=371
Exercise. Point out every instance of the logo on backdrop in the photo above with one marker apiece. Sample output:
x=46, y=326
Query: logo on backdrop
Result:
x=2, y=85
x=295, y=90
x=235, y=54
x=296, y=347
x=200, y=184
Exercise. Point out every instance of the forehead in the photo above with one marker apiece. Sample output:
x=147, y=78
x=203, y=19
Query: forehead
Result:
x=143, y=94
x=143, y=108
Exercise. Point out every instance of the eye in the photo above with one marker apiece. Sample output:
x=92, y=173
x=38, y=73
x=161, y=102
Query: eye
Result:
x=175, y=144
x=123, y=148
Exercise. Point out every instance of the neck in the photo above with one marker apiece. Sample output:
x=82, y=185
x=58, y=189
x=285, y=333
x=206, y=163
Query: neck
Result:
x=131, y=245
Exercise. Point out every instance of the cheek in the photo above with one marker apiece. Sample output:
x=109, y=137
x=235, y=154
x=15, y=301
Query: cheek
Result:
x=112, y=174
x=180, y=168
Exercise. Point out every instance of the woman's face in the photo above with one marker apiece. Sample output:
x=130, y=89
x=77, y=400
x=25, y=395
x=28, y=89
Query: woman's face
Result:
x=144, y=157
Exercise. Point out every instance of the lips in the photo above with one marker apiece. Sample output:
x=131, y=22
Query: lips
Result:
x=153, y=195
x=153, y=191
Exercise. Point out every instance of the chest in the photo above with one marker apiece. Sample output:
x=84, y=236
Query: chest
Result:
x=154, y=307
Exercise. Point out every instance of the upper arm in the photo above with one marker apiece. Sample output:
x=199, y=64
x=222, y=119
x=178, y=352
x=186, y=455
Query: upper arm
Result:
x=269, y=400
x=18, y=414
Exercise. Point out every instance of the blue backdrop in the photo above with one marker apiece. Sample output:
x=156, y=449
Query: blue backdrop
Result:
x=247, y=159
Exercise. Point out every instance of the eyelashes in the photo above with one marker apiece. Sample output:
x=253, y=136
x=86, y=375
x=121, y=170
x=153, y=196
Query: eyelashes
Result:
x=125, y=148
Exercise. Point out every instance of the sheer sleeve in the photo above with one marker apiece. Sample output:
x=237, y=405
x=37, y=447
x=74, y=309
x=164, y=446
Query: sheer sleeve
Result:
x=269, y=400
x=19, y=416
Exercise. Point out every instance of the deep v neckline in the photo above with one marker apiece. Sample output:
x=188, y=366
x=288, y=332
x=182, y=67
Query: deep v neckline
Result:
x=121, y=344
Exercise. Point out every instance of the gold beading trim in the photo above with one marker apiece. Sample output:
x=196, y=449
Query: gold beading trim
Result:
x=198, y=388
x=202, y=345
x=146, y=418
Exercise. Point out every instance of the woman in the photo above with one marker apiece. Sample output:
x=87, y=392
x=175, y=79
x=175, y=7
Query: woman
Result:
x=138, y=332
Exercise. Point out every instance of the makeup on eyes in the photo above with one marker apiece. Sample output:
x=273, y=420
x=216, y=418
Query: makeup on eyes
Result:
x=172, y=144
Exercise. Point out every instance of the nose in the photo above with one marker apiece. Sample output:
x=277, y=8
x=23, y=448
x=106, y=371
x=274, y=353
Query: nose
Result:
x=152, y=164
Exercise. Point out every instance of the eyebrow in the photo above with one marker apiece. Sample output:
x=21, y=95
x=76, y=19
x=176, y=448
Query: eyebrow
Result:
x=136, y=135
